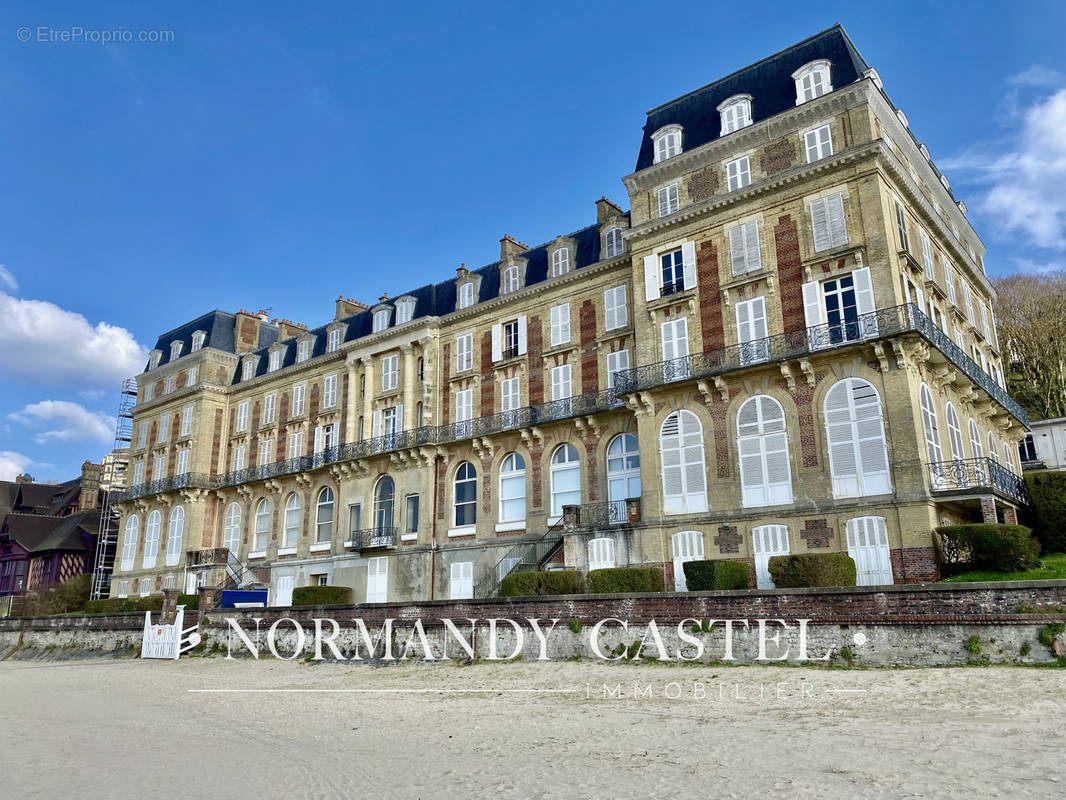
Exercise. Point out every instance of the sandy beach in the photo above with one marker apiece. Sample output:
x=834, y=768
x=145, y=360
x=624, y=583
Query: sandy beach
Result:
x=527, y=730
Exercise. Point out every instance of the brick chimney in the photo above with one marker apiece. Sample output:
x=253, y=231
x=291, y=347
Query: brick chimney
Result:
x=246, y=332
x=605, y=209
x=346, y=307
x=287, y=328
x=509, y=246
x=25, y=477
x=90, y=485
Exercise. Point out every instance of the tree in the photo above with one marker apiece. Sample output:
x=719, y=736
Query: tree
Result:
x=1032, y=325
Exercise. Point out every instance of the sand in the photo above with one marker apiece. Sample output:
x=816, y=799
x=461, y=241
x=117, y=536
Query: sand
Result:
x=132, y=729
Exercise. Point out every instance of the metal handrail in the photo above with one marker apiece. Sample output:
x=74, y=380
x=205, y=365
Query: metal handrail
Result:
x=977, y=473
x=370, y=538
x=528, y=554
x=602, y=515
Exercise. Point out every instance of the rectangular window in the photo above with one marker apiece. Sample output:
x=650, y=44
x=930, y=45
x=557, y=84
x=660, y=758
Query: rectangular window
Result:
x=616, y=362
x=819, y=144
x=390, y=373
x=390, y=421
x=668, y=200
x=675, y=349
x=334, y=341
x=751, y=331
x=510, y=396
x=615, y=308
x=927, y=257
x=303, y=350
x=738, y=173
x=266, y=451
x=168, y=387
x=828, y=223
x=560, y=325
x=672, y=272
x=412, y=513
x=183, y=462
x=186, y=421
x=744, y=252
x=967, y=298
x=510, y=339
x=561, y=385
x=242, y=416
x=138, y=473
x=147, y=393
x=191, y=380
x=142, y=434
x=464, y=352
x=160, y=468
x=248, y=369
x=238, y=458
x=329, y=391
x=464, y=411
x=270, y=401
x=984, y=322
x=949, y=281
x=164, y=429
x=275, y=360
x=355, y=520
x=123, y=588
x=461, y=583
x=296, y=444
x=299, y=393
x=901, y=227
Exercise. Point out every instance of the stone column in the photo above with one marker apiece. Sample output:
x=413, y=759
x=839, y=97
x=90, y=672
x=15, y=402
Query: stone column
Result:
x=988, y=510
x=170, y=606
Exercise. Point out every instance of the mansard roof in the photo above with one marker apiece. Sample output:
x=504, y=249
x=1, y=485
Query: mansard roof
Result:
x=219, y=327
x=769, y=82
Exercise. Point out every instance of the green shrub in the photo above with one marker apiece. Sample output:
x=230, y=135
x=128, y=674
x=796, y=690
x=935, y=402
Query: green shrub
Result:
x=113, y=605
x=321, y=595
x=625, y=579
x=812, y=569
x=1002, y=548
x=1047, y=514
x=1049, y=632
x=190, y=601
x=703, y=576
x=528, y=584
x=973, y=645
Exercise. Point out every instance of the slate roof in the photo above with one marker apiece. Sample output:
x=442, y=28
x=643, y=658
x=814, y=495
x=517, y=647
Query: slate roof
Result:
x=38, y=534
x=41, y=498
x=219, y=327
x=769, y=82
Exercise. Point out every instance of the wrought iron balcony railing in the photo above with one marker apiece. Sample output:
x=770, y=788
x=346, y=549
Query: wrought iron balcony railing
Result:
x=187, y=480
x=976, y=474
x=373, y=538
x=878, y=324
x=674, y=287
x=602, y=515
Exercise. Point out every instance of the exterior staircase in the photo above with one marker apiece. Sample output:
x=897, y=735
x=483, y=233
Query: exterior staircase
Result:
x=527, y=556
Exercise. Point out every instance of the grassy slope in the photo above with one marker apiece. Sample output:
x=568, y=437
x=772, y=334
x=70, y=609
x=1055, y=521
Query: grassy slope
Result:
x=1051, y=567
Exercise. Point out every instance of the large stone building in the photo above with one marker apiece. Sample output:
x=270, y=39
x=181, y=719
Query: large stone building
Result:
x=787, y=344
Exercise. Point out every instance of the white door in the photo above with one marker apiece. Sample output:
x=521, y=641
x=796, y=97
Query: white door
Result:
x=190, y=583
x=675, y=349
x=601, y=553
x=687, y=546
x=283, y=590
x=868, y=548
x=767, y=541
x=462, y=580
x=377, y=580
x=752, y=332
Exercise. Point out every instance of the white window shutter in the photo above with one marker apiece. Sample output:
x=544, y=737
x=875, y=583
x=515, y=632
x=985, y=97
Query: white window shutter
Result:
x=864, y=291
x=318, y=439
x=751, y=246
x=376, y=428
x=399, y=417
x=840, y=440
x=820, y=224
x=688, y=262
x=497, y=342
x=814, y=313
x=838, y=229
x=737, y=253
x=919, y=299
x=651, y=278
x=522, y=335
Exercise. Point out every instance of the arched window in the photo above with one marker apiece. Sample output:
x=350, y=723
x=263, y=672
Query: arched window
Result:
x=812, y=80
x=993, y=452
x=511, y=279
x=384, y=503
x=930, y=426
x=601, y=553
x=683, y=466
x=560, y=261
x=855, y=434
x=976, y=448
x=290, y=534
x=465, y=495
x=565, y=479
x=667, y=142
x=513, y=488
x=955, y=434
x=324, y=516
x=686, y=546
x=612, y=241
x=175, y=534
x=231, y=528
x=151, y=539
x=623, y=475
x=262, y=526
x=129, y=543
x=736, y=113
x=762, y=446
x=466, y=295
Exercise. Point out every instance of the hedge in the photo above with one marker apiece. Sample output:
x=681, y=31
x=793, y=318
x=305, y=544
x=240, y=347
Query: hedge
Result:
x=190, y=601
x=625, y=579
x=812, y=569
x=555, y=581
x=706, y=575
x=1003, y=548
x=112, y=605
x=1047, y=514
x=321, y=595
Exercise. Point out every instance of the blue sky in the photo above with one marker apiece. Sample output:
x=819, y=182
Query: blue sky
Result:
x=274, y=158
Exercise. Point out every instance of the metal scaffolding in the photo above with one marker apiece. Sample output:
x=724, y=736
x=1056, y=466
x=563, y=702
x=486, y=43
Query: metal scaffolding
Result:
x=107, y=541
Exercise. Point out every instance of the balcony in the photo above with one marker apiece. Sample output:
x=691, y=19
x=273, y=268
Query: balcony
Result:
x=609, y=514
x=675, y=287
x=187, y=480
x=372, y=539
x=976, y=475
x=881, y=324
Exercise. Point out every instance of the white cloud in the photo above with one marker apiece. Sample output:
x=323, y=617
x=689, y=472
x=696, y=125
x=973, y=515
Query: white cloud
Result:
x=1025, y=175
x=48, y=344
x=7, y=280
x=1032, y=267
x=67, y=422
x=12, y=464
x=1038, y=76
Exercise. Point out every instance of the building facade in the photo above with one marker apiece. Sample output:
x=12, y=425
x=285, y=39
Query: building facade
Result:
x=787, y=344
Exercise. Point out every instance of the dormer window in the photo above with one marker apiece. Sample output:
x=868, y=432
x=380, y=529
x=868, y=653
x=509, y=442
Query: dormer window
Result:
x=560, y=261
x=736, y=113
x=405, y=310
x=612, y=243
x=667, y=142
x=333, y=341
x=154, y=358
x=812, y=80
x=175, y=350
x=466, y=295
x=198, y=340
x=512, y=279
x=275, y=361
x=381, y=319
x=303, y=350
x=248, y=369
x=902, y=118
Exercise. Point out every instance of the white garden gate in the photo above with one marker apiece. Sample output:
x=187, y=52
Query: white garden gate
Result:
x=168, y=641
